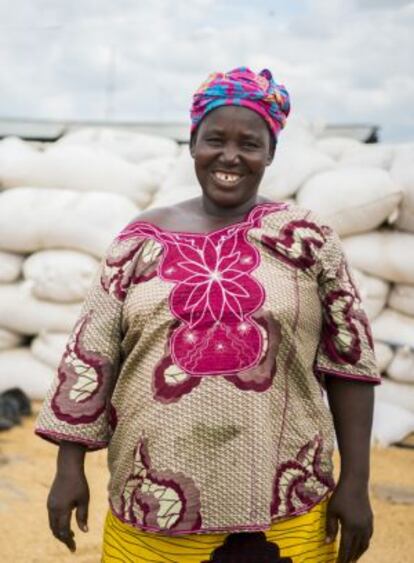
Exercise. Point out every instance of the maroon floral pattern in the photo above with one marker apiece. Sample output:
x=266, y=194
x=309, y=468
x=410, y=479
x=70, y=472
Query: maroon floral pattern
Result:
x=301, y=483
x=161, y=500
x=343, y=320
x=84, y=379
x=129, y=262
x=298, y=244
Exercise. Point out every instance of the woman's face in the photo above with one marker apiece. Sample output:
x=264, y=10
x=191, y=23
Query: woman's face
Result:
x=231, y=150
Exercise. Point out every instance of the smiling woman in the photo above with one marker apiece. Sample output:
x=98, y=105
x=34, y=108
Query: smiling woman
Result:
x=199, y=361
x=230, y=160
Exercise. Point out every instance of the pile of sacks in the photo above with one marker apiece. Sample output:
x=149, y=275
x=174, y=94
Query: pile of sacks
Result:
x=62, y=204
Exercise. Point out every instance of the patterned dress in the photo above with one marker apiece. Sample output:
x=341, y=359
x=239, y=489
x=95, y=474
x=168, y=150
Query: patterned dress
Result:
x=199, y=361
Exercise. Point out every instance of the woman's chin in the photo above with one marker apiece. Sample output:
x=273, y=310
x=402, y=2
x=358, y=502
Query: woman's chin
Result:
x=224, y=197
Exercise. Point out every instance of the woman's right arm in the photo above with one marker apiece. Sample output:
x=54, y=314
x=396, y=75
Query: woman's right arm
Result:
x=69, y=491
x=77, y=413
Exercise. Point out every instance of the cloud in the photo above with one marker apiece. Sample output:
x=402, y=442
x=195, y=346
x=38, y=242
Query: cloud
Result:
x=343, y=61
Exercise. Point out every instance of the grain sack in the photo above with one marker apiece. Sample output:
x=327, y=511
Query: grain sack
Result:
x=159, y=169
x=351, y=200
x=402, y=298
x=9, y=339
x=131, y=146
x=19, y=368
x=391, y=424
x=300, y=131
x=394, y=328
x=402, y=171
x=373, y=291
x=383, y=355
x=60, y=275
x=166, y=198
x=402, y=366
x=48, y=347
x=372, y=155
x=292, y=166
x=21, y=312
x=80, y=169
x=385, y=254
x=34, y=219
x=12, y=148
x=181, y=174
x=10, y=266
x=400, y=394
x=335, y=147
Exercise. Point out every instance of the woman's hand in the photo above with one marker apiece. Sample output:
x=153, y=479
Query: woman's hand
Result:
x=349, y=505
x=69, y=491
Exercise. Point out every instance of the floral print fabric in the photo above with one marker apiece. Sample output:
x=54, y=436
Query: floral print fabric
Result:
x=198, y=360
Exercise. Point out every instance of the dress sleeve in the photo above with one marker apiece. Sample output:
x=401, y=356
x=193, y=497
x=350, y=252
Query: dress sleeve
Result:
x=346, y=345
x=77, y=407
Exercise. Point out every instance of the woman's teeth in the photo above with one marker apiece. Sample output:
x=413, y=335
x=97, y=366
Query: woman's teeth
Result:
x=226, y=177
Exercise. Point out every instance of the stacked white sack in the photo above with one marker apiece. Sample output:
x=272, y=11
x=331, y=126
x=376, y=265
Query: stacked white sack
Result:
x=33, y=219
x=354, y=187
x=368, y=198
x=131, y=146
x=10, y=266
x=78, y=168
x=48, y=347
x=65, y=233
x=60, y=275
x=180, y=184
x=352, y=199
x=10, y=339
x=402, y=171
x=19, y=368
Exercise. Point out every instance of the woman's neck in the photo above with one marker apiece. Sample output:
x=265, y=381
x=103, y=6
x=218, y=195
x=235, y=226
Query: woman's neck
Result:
x=210, y=208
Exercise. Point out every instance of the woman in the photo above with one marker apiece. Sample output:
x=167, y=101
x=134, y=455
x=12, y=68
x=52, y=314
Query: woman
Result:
x=200, y=359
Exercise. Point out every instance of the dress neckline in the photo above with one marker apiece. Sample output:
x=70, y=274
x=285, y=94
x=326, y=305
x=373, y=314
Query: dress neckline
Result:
x=246, y=220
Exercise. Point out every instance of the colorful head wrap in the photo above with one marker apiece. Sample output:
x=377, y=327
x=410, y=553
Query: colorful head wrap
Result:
x=242, y=87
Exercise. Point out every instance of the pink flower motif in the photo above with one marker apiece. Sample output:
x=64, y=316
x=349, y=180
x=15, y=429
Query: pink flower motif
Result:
x=170, y=382
x=259, y=378
x=214, y=293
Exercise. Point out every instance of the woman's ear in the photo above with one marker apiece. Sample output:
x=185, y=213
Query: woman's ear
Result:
x=271, y=154
x=192, y=145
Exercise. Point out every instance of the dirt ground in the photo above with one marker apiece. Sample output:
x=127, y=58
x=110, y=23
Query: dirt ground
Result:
x=27, y=466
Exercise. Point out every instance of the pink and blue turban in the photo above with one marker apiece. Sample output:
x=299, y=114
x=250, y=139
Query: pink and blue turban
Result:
x=243, y=87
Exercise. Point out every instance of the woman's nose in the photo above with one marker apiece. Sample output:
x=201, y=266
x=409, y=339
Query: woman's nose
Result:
x=229, y=153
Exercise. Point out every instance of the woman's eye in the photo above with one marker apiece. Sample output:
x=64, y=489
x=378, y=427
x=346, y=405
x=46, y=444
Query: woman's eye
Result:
x=214, y=140
x=250, y=145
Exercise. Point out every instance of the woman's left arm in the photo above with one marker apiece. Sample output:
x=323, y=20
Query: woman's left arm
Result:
x=346, y=365
x=351, y=404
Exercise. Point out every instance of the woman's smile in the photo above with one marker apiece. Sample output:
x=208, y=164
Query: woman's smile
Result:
x=226, y=179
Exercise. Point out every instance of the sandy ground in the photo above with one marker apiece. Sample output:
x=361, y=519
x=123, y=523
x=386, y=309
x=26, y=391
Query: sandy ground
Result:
x=27, y=466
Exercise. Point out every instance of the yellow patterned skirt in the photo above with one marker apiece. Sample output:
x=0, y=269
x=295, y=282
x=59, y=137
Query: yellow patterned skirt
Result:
x=301, y=538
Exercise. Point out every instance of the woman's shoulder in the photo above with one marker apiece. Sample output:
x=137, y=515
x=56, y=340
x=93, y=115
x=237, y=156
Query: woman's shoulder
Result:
x=288, y=211
x=169, y=217
x=157, y=216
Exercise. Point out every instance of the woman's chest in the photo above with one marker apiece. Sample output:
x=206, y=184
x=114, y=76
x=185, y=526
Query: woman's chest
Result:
x=201, y=284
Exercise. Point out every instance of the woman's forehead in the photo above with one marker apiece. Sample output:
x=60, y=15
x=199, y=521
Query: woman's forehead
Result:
x=234, y=118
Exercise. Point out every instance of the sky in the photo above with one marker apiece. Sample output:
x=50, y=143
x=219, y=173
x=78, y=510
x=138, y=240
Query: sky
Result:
x=343, y=61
